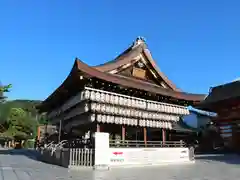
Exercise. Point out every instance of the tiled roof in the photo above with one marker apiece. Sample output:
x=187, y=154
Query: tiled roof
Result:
x=221, y=93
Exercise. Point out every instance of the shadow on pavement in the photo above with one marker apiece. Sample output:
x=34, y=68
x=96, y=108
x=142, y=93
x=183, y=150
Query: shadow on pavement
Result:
x=226, y=158
x=29, y=153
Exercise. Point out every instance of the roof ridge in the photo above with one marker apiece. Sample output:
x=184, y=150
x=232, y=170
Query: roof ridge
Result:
x=138, y=43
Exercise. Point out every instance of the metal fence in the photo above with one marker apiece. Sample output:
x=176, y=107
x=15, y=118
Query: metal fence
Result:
x=81, y=158
x=157, y=144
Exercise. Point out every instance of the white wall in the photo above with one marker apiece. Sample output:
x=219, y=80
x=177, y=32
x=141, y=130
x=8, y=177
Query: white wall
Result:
x=147, y=156
x=106, y=156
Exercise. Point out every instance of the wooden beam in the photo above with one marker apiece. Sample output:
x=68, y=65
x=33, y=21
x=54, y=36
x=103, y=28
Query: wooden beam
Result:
x=98, y=128
x=164, y=135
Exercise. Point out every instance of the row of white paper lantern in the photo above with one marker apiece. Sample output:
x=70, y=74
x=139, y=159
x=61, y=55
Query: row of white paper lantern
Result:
x=104, y=108
x=133, y=102
x=131, y=121
x=155, y=124
x=116, y=120
x=167, y=108
x=106, y=97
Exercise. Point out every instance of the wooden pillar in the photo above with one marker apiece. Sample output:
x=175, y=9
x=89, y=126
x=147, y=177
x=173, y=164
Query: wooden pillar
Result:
x=123, y=133
x=145, y=135
x=98, y=128
x=164, y=135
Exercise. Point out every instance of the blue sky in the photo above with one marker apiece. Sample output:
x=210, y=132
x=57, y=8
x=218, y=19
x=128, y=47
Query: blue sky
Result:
x=195, y=43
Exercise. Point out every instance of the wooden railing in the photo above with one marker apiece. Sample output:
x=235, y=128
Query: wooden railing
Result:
x=132, y=143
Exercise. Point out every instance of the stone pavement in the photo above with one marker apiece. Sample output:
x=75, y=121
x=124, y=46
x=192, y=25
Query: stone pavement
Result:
x=22, y=165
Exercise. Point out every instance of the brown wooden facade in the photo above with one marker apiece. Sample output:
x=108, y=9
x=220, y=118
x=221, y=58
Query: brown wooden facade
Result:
x=127, y=95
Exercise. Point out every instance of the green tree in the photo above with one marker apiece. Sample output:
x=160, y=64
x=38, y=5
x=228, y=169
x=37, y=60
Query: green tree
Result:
x=29, y=106
x=21, y=126
x=4, y=89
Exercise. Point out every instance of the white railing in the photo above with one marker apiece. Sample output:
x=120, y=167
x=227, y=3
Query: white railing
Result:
x=81, y=158
x=71, y=158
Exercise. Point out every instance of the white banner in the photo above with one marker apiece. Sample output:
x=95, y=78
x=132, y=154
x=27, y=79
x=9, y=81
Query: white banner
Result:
x=105, y=156
x=147, y=156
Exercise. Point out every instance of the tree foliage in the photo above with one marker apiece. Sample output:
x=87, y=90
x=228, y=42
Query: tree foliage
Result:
x=29, y=106
x=19, y=119
x=20, y=124
x=4, y=89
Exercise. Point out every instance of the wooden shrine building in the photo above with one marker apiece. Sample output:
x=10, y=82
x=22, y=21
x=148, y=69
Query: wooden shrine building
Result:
x=225, y=101
x=128, y=96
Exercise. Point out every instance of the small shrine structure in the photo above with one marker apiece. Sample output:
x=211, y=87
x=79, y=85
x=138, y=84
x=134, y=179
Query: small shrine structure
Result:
x=225, y=101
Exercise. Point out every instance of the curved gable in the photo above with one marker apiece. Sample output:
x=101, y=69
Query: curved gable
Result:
x=138, y=52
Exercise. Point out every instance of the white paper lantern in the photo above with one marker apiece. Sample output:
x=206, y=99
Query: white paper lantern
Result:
x=116, y=120
x=116, y=98
x=111, y=109
x=82, y=96
x=99, y=117
x=92, y=96
x=121, y=101
x=112, y=119
x=129, y=102
x=112, y=99
x=87, y=94
x=102, y=97
x=104, y=119
x=120, y=120
x=107, y=97
x=98, y=96
x=116, y=110
x=133, y=103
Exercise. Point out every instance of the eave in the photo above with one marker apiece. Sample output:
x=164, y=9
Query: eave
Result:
x=82, y=69
x=136, y=83
x=221, y=96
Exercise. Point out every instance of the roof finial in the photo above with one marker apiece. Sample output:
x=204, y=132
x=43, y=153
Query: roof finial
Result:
x=139, y=40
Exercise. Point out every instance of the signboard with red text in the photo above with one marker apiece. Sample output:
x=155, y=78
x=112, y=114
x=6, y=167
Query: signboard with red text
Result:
x=106, y=156
x=147, y=156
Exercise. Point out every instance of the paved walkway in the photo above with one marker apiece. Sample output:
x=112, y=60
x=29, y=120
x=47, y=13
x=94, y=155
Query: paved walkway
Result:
x=21, y=165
